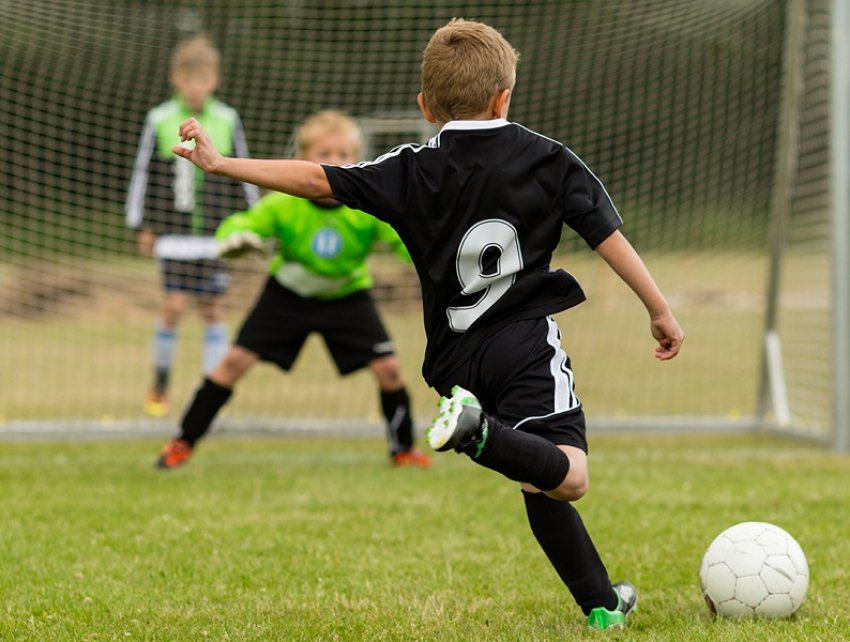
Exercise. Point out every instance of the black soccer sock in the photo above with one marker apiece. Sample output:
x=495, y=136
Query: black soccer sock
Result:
x=521, y=456
x=396, y=408
x=208, y=400
x=160, y=380
x=559, y=530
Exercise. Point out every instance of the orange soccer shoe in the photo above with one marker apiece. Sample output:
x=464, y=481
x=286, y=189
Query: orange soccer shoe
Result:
x=175, y=454
x=411, y=457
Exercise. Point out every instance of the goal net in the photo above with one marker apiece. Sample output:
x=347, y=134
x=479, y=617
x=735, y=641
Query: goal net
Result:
x=678, y=106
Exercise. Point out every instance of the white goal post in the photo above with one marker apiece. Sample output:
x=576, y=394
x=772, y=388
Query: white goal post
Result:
x=840, y=185
x=807, y=316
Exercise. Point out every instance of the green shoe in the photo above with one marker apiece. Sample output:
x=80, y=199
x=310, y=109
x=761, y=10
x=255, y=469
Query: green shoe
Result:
x=602, y=619
x=458, y=424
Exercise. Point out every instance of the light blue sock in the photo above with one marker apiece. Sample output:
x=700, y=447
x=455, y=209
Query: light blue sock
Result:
x=164, y=343
x=215, y=345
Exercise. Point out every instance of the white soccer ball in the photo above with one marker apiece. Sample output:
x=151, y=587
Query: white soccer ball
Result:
x=754, y=569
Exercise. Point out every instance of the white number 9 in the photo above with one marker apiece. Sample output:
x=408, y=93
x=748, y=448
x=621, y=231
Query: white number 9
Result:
x=491, y=235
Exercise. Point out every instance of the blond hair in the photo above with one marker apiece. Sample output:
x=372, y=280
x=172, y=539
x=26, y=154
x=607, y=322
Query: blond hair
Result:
x=464, y=65
x=197, y=52
x=328, y=121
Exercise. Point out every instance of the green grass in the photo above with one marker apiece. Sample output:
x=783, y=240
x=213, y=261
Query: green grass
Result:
x=283, y=539
x=87, y=356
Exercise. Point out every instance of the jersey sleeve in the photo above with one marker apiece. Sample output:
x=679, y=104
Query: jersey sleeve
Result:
x=376, y=187
x=588, y=209
x=240, y=147
x=135, y=206
x=260, y=219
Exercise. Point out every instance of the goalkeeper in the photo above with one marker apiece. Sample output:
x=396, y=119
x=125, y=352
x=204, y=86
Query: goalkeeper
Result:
x=319, y=282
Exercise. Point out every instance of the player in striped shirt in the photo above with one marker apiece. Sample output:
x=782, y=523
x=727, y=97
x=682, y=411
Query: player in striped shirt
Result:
x=175, y=209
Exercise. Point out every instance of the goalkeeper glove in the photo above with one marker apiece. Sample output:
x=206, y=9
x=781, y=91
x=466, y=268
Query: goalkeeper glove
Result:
x=242, y=244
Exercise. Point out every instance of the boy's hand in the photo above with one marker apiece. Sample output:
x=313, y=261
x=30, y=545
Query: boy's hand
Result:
x=204, y=154
x=669, y=335
x=145, y=240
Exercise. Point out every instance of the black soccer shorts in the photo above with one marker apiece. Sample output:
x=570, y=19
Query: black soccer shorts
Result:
x=523, y=377
x=205, y=276
x=281, y=321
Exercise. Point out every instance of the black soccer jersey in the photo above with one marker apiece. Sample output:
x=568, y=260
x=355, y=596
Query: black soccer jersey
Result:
x=480, y=209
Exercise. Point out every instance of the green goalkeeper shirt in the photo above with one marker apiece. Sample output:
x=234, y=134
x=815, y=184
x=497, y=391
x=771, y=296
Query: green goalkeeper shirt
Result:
x=322, y=251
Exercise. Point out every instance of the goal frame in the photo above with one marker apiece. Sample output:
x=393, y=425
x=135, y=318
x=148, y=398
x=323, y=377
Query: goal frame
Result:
x=774, y=411
x=840, y=200
x=770, y=95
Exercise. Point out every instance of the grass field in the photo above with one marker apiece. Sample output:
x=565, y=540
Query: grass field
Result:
x=284, y=539
x=87, y=355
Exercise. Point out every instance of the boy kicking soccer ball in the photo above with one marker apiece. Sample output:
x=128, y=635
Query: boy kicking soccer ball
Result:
x=320, y=283
x=481, y=208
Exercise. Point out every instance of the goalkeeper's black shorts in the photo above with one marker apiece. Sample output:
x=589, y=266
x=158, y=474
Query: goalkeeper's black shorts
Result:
x=281, y=321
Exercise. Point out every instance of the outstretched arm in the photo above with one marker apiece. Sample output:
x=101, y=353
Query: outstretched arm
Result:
x=296, y=177
x=624, y=260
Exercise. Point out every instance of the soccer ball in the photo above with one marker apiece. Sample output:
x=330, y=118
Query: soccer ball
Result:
x=754, y=569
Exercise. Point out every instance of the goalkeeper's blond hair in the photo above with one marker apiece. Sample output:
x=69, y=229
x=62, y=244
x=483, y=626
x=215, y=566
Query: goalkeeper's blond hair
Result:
x=465, y=64
x=328, y=121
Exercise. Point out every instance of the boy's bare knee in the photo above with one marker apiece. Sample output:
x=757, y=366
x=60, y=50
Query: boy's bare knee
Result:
x=235, y=363
x=232, y=363
x=577, y=481
x=570, y=490
x=388, y=372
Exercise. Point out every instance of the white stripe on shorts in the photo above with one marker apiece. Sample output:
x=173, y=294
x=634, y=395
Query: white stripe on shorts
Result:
x=562, y=376
x=565, y=398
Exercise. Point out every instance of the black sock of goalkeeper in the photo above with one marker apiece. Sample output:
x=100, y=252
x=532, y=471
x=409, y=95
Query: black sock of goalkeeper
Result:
x=208, y=400
x=161, y=376
x=396, y=408
x=521, y=456
x=561, y=533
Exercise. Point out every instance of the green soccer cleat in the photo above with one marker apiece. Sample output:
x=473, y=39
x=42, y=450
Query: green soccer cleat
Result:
x=458, y=424
x=602, y=619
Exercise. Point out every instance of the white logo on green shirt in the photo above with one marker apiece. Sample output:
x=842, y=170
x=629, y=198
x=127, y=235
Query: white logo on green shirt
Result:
x=326, y=243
